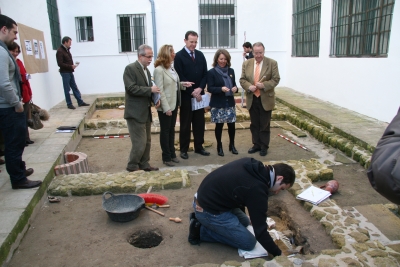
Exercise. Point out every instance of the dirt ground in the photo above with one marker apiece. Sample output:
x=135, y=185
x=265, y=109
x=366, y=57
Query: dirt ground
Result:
x=78, y=232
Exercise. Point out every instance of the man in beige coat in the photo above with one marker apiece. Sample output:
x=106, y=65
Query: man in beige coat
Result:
x=260, y=76
x=138, y=99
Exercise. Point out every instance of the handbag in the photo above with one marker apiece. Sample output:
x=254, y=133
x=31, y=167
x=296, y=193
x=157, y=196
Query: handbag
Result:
x=34, y=121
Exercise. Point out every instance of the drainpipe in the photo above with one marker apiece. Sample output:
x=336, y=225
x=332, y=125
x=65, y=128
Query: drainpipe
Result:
x=153, y=16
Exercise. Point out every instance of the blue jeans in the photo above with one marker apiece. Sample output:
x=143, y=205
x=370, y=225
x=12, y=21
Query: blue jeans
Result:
x=69, y=82
x=13, y=126
x=228, y=228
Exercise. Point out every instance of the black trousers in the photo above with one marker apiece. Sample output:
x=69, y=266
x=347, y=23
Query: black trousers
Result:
x=191, y=120
x=260, y=122
x=167, y=134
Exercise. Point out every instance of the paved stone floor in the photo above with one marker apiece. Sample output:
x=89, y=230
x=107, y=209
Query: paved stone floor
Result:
x=354, y=235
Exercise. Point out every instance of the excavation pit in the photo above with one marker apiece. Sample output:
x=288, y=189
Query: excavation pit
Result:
x=146, y=238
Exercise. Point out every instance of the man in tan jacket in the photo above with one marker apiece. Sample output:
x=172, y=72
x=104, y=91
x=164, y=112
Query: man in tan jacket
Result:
x=260, y=76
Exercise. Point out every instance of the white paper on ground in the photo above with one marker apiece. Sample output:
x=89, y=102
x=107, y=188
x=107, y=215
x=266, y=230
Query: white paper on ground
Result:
x=257, y=252
x=314, y=195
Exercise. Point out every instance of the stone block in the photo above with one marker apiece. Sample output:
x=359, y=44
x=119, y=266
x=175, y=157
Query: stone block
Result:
x=359, y=237
x=308, y=206
x=363, y=231
x=360, y=247
x=317, y=214
x=326, y=174
x=331, y=210
x=348, y=149
x=327, y=262
x=328, y=227
x=352, y=262
x=377, y=253
x=384, y=262
x=338, y=239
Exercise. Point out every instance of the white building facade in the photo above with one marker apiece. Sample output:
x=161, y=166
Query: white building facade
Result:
x=106, y=33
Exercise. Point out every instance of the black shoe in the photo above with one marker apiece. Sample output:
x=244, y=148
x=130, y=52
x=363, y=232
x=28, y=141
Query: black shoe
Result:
x=254, y=150
x=29, y=142
x=26, y=185
x=202, y=152
x=263, y=152
x=84, y=104
x=194, y=232
x=71, y=107
x=233, y=149
x=220, y=151
x=184, y=155
x=28, y=172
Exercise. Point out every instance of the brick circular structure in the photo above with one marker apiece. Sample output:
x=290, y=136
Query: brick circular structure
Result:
x=76, y=162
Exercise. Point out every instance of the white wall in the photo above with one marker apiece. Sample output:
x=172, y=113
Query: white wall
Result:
x=47, y=88
x=102, y=65
x=369, y=86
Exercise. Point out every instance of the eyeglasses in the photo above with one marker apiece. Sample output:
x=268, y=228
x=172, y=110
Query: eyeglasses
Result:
x=147, y=56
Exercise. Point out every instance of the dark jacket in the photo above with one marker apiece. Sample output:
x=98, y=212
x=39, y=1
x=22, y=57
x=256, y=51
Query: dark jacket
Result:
x=243, y=182
x=190, y=71
x=250, y=55
x=64, y=59
x=384, y=173
x=214, y=85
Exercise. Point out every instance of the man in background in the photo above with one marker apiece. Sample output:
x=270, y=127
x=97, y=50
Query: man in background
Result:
x=260, y=76
x=191, y=66
x=138, y=99
x=67, y=67
x=247, y=50
x=12, y=116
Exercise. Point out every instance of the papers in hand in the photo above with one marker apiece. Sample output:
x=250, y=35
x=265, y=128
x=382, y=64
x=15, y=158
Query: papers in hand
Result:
x=314, y=195
x=205, y=102
x=155, y=97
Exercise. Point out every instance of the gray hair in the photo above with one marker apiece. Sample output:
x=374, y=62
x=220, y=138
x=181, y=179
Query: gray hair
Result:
x=258, y=44
x=142, y=49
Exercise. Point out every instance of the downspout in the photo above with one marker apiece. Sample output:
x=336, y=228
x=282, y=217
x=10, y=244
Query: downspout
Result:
x=153, y=17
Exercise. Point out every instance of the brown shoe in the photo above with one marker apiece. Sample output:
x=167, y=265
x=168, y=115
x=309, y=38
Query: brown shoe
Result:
x=149, y=169
x=28, y=172
x=176, y=160
x=132, y=170
x=26, y=184
x=169, y=163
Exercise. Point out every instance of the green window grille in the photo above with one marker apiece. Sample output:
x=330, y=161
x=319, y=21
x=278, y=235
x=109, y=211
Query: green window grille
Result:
x=54, y=20
x=84, y=29
x=217, y=23
x=131, y=32
x=306, y=28
x=361, y=28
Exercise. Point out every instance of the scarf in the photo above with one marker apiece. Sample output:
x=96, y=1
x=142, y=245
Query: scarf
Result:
x=227, y=80
x=17, y=75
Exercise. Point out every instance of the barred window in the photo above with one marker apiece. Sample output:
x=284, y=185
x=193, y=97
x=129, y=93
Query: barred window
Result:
x=217, y=23
x=361, y=28
x=54, y=20
x=306, y=28
x=84, y=29
x=131, y=32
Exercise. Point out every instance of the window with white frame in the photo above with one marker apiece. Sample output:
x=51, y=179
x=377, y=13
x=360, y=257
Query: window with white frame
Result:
x=361, y=28
x=306, y=28
x=131, y=32
x=54, y=21
x=84, y=29
x=217, y=23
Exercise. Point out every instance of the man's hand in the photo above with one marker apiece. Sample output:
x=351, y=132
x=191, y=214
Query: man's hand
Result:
x=234, y=89
x=158, y=104
x=168, y=113
x=196, y=92
x=244, y=54
x=155, y=89
x=19, y=108
x=260, y=85
x=252, y=88
x=73, y=67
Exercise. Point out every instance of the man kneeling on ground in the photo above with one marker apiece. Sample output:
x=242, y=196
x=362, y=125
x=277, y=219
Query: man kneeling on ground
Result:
x=243, y=182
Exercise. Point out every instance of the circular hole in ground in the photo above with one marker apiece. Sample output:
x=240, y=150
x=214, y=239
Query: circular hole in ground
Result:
x=145, y=238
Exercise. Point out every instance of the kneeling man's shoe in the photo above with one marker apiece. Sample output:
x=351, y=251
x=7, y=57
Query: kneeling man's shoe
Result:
x=194, y=232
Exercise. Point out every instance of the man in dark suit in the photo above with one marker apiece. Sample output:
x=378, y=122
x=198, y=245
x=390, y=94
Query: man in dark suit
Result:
x=191, y=66
x=138, y=99
x=260, y=96
x=247, y=50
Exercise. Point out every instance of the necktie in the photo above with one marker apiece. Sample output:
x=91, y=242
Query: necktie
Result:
x=257, y=78
x=192, y=54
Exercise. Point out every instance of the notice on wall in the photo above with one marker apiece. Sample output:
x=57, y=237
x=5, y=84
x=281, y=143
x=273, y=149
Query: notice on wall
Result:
x=42, y=53
x=33, y=49
x=28, y=47
x=36, y=48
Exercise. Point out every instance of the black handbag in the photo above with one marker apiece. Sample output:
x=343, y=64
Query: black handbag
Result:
x=34, y=121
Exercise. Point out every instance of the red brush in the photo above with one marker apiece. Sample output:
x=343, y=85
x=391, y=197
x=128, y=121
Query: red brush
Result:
x=154, y=198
